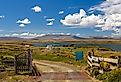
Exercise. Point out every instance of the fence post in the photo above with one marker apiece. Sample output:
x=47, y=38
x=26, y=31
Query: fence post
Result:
x=30, y=60
x=2, y=60
x=15, y=64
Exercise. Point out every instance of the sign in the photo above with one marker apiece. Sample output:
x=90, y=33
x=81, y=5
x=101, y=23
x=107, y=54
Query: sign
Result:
x=79, y=55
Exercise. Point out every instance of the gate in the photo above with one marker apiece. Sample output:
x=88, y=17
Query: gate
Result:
x=23, y=63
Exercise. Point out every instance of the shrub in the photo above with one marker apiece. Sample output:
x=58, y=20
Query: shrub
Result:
x=105, y=66
x=94, y=71
x=112, y=76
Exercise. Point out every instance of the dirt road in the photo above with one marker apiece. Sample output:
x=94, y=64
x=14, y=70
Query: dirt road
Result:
x=60, y=72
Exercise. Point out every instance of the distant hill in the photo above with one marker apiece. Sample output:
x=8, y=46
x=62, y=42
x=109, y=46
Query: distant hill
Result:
x=102, y=37
x=10, y=38
x=71, y=37
x=56, y=37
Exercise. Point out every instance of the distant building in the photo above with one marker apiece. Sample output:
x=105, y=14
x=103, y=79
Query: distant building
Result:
x=49, y=47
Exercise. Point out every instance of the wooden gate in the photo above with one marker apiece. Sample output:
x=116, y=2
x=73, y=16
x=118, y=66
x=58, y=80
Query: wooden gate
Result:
x=23, y=63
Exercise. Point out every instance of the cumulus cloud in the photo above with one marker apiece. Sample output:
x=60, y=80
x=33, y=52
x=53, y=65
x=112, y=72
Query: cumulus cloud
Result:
x=37, y=9
x=108, y=6
x=2, y=17
x=110, y=20
x=7, y=35
x=61, y=12
x=15, y=34
x=30, y=35
x=50, y=19
x=90, y=21
x=81, y=19
x=25, y=35
x=58, y=33
x=23, y=22
x=50, y=23
x=22, y=25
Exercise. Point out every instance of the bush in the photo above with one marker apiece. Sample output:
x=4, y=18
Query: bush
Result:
x=105, y=66
x=94, y=71
x=112, y=76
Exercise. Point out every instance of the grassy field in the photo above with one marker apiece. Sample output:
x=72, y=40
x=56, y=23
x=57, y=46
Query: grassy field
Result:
x=58, y=54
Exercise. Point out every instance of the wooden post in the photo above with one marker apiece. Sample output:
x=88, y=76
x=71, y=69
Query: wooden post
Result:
x=15, y=64
x=30, y=60
x=93, y=52
x=2, y=60
x=119, y=61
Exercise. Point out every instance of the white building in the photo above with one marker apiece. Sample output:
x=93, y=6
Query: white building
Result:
x=49, y=47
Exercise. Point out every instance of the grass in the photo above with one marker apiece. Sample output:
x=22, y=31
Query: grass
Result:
x=59, y=54
x=51, y=58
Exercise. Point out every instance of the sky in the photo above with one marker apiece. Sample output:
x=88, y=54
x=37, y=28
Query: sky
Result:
x=31, y=18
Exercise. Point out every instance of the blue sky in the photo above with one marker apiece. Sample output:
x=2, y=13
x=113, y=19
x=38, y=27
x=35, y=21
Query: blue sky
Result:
x=16, y=11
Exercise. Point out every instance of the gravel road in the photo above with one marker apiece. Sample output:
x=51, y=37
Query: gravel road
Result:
x=60, y=72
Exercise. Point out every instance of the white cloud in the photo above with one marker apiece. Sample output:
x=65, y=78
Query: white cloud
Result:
x=81, y=19
x=40, y=35
x=15, y=34
x=61, y=12
x=109, y=7
x=68, y=33
x=37, y=9
x=7, y=35
x=117, y=32
x=50, y=23
x=24, y=21
x=58, y=33
x=78, y=34
x=50, y=19
x=110, y=20
x=74, y=19
x=90, y=21
x=25, y=35
x=2, y=17
x=22, y=25
x=30, y=35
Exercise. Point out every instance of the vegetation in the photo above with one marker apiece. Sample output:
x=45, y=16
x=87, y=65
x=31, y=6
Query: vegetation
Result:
x=105, y=66
x=112, y=76
x=59, y=54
